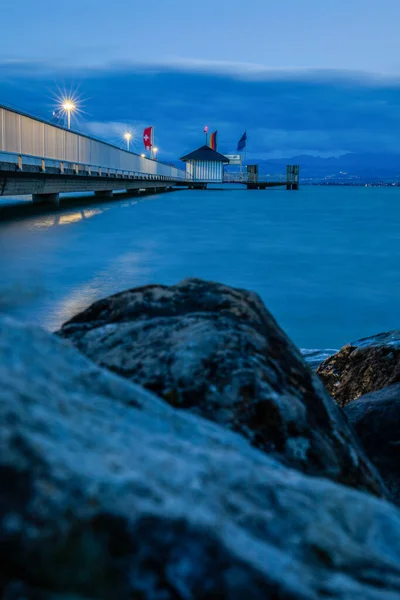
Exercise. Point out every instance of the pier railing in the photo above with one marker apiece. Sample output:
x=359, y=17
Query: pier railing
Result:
x=32, y=164
x=252, y=178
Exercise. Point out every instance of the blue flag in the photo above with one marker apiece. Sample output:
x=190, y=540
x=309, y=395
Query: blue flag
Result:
x=242, y=142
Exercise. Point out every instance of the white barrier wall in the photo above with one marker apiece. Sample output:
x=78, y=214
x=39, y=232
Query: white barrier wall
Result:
x=27, y=136
x=205, y=170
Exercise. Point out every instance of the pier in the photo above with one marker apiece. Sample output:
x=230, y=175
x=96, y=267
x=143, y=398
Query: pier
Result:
x=243, y=179
x=46, y=160
x=207, y=166
x=254, y=182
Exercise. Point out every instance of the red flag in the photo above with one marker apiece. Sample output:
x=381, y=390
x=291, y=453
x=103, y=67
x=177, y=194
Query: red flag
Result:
x=148, y=137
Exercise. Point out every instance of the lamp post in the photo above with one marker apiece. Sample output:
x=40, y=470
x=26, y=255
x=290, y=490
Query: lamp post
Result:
x=155, y=150
x=128, y=137
x=69, y=107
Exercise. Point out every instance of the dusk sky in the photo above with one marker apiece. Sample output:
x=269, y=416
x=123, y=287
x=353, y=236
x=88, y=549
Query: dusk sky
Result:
x=314, y=77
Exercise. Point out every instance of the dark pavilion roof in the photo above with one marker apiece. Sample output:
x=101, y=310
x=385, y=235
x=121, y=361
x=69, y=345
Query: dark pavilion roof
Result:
x=205, y=153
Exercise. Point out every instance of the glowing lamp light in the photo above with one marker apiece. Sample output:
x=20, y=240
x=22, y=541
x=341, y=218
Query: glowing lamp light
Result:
x=69, y=107
x=143, y=155
x=128, y=137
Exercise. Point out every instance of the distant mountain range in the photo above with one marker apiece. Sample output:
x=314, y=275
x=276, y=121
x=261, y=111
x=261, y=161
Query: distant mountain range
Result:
x=348, y=167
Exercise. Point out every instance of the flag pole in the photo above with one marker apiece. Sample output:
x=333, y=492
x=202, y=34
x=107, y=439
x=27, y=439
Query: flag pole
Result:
x=245, y=150
x=152, y=141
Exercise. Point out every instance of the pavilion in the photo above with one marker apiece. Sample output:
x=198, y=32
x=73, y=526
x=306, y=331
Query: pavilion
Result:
x=205, y=165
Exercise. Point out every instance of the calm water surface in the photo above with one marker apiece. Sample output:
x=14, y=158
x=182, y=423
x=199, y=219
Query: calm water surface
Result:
x=324, y=260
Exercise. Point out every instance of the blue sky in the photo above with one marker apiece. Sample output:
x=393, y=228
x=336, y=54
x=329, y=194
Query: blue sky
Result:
x=317, y=77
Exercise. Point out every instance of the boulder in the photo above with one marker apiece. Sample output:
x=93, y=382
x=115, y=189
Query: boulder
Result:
x=361, y=367
x=376, y=419
x=217, y=352
x=109, y=493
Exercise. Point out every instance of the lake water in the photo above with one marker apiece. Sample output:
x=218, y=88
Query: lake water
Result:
x=325, y=260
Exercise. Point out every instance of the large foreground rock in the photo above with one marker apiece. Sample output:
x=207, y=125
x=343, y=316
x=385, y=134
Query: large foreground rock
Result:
x=376, y=418
x=108, y=493
x=219, y=353
x=363, y=366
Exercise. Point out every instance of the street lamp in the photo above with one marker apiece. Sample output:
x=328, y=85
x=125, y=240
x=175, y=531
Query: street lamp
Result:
x=155, y=150
x=143, y=155
x=128, y=137
x=69, y=107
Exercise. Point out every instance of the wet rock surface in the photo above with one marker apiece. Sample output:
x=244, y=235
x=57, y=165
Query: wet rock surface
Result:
x=217, y=352
x=376, y=419
x=109, y=493
x=364, y=366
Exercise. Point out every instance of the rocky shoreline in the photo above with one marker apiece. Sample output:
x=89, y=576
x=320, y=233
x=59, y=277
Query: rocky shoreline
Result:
x=172, y=443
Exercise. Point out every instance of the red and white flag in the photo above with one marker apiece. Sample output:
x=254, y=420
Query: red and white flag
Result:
x=148, y=137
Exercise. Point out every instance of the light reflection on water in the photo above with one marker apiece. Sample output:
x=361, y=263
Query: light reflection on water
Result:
x=324, y=260
x=53, y=220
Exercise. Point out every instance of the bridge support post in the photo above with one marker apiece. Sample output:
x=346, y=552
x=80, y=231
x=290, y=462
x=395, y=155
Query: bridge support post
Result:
x=104, y=194
x=292, y=177
x=46, y=199
x=295, y=177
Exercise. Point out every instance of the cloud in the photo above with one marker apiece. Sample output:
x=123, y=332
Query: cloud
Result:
x=285, y=111
x=232, y=69
x=260, y=72
x=109, y=129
